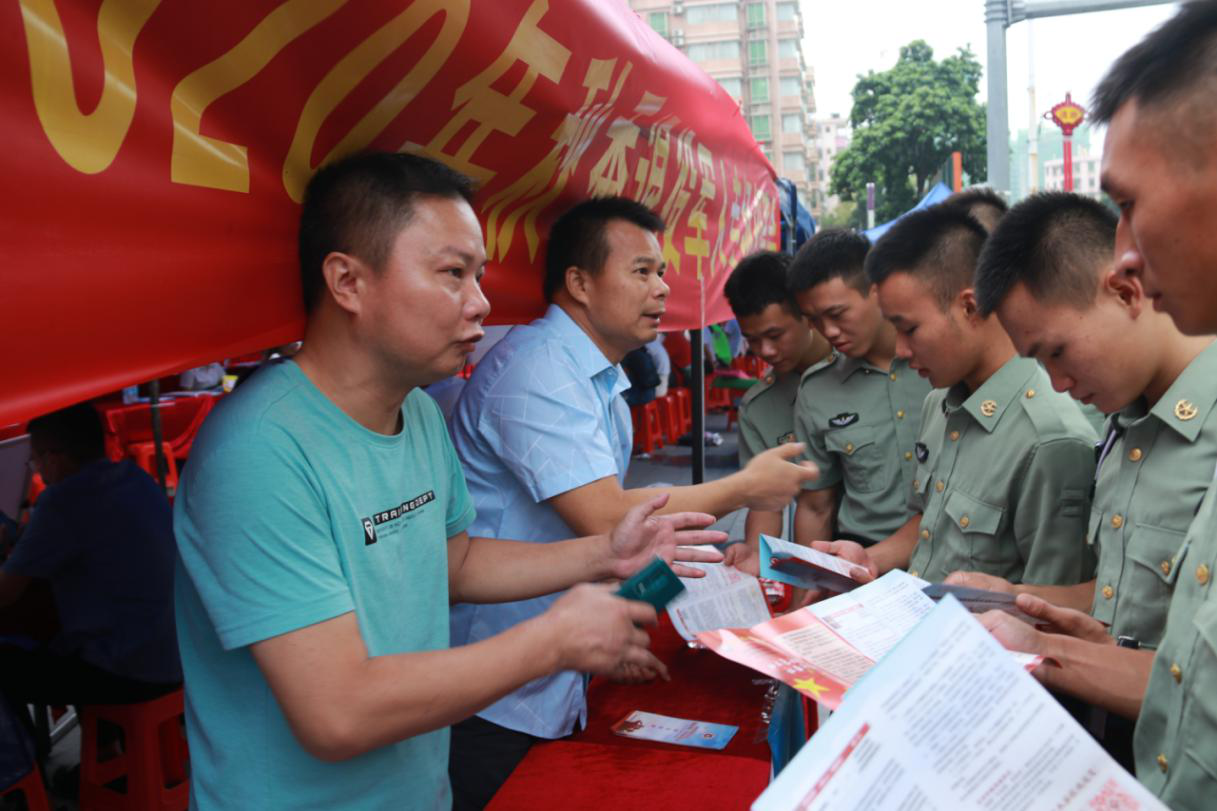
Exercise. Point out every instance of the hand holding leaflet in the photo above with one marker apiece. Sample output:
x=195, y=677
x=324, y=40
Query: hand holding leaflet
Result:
x=948, y=721
x=804, y=567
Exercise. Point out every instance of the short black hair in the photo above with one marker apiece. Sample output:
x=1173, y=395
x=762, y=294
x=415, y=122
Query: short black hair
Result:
x=75, y=431
x=939, y=245
x=1053, y=243
x=577, y=237
x=758, y=281
x=983, y=203
x=358, y=206
x=1167, y=65
x=832, y=253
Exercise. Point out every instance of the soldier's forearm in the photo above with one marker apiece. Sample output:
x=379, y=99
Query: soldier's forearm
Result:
x=1105, y=675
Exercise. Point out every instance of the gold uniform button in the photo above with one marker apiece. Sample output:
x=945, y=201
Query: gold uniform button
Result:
x=1162, y=763
x=900, y=414
x=1176, y=673
x=916, y=484
x=964, y=521
x=939, y=486
x=988, y=408
x=954, y=436
x=1165, y=566
x=893, y=375
x=913, y=572
x=1030, y=393
x=1202, y=574
x=1185, y=410
x=1108, y=592
x=908, y=456
x=1135, y=455
x=1117, y=521
x=849, y=447
x=925, y=534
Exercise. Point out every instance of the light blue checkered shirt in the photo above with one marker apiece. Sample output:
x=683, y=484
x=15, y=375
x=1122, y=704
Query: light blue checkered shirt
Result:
x=542, y=415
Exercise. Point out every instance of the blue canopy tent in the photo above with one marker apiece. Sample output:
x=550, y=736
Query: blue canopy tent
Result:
x=937, y=193
x=797, y=222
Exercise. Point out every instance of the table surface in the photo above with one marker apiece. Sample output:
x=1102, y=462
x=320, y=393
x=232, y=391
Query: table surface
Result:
x=596, y=769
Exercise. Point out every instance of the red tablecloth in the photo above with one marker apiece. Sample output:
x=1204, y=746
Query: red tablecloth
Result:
x=597, y=769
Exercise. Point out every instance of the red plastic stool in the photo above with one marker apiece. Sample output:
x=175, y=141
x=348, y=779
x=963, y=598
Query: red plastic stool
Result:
x=32, y=789
x=685, y=400
x=154, y=761
x=144, y=454
x=648, y=428
x=669, y=410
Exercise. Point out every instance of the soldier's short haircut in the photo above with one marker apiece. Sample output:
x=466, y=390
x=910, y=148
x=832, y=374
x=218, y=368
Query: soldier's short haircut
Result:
x=758, y=281
x=1170, y=65
x=983, y=203
x=939, y=245
x=833, y=253
x=1056, y=244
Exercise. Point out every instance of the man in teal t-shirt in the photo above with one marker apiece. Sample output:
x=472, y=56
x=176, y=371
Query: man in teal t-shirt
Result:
x=321, y=528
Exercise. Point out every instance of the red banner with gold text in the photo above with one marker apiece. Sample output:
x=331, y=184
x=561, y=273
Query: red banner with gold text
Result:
x=156, y=151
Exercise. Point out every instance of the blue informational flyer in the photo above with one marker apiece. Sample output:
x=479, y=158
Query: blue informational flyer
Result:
x=804, y=567
x=665, y=729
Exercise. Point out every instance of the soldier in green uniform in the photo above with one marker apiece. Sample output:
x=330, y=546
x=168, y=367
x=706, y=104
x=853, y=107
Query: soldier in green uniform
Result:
x=858, y=413
x=1004, y=463
x=1049, y=274
x=1160, y=167
x=778, y=333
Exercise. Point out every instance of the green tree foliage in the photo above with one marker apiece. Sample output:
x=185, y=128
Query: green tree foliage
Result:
x=907, y=121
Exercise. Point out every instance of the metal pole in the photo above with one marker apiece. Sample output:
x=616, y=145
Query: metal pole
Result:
x=1020, y=10
x=870, y=206
x=162, y=467
x=699, y=406
x=998, y=130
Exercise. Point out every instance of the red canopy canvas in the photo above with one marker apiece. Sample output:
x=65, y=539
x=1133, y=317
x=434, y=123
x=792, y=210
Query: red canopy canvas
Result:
x=157, y=151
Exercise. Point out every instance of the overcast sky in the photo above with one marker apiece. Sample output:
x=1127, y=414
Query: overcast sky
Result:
x=848, y=37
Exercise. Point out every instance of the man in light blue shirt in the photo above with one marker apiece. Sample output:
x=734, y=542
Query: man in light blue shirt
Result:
x=545, y=440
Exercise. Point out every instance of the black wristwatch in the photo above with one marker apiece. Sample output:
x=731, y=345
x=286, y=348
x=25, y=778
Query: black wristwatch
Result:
x=1128, y=642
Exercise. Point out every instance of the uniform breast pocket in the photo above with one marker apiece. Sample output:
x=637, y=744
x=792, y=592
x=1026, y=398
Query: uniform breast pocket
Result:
x=866, y=464
x=1199, y=728
x=979, y=522
x=1153, y=558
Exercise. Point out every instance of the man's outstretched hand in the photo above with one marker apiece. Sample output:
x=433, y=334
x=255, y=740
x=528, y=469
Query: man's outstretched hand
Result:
x=642, y=535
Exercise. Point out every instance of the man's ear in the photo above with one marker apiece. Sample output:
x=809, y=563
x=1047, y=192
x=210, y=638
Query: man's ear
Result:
x=577, y=283
x=345, y=278
x=1126, y=286
x=967, y=302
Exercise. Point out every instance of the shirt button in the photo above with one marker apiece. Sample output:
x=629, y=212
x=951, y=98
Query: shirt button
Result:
x=893, y=375
x=1108, y=592
x=1176, y=673
x=925, y=534
x=1202, y=573
x=1162, y=763
x=954, y=436
x=1165, y=566
x=964, y=521
x=913, y=572
x=916, y=484
x=1135, y=455
x=939, y=486
x=1030, y=393
x=849, y=447
x=900, y=414
x=908, y=456
x=1117, y=520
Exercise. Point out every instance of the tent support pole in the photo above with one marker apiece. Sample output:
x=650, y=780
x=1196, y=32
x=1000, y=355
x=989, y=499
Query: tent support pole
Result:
x=162, y=466
x=699, y=406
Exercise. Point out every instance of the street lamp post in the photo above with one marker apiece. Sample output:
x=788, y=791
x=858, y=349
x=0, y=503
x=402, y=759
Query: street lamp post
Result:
x=1067, y=115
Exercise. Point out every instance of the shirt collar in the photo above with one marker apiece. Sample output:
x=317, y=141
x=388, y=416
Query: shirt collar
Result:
x=1188, y=401
x=851, y=365
x=989, y=402
x=587, y=356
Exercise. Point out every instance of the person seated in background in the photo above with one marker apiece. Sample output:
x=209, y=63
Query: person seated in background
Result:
x=1049, y=273
x=101, y=535
x=778, y=333
x=1004, y=463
